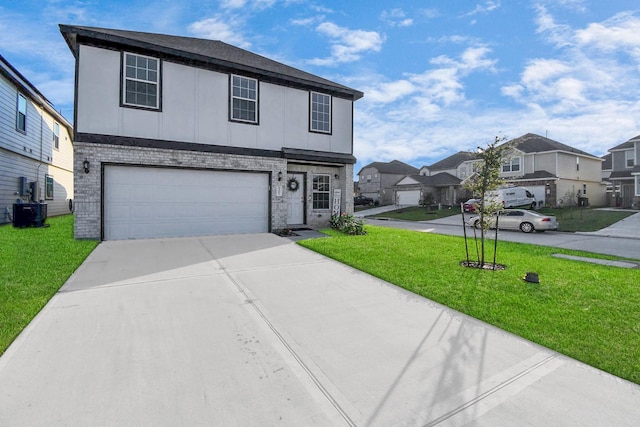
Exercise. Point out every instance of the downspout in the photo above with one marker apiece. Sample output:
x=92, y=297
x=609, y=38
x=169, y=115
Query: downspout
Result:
x=41, y=153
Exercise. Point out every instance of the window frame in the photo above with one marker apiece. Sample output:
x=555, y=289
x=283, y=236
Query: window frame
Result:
x=233, y=97
x=313, y=127
x=56, y=135
x=124, y=79
x=637, y=185
x=22, y=114
x=48, y=187
x=509, y=163
x=316, y=192
x=629, y=155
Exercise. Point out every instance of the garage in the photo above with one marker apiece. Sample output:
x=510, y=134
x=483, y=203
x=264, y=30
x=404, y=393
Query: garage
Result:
x=408, y=197
x=151, y=202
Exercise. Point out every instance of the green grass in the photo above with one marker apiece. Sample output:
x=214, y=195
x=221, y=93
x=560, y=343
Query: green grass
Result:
x=417, y=213
x=34, y=264
x=585, y=219
x=585, y=311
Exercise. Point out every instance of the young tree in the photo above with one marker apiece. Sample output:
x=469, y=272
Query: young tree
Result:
x=487, y=179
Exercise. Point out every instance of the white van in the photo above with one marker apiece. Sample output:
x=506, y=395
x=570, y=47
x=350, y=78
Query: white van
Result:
x=513, y=197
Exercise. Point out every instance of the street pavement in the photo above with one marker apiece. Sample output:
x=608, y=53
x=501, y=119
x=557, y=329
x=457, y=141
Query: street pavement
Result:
x=620, y=239
x=254, y=330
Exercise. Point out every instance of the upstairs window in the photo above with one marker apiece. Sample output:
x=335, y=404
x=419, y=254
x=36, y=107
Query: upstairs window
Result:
x=321, y=192
x=629, y=160
x=21, y=114
x=56, y=135
x=511, y=165
x=320, y=112
x=244, y=99
x=141, y=77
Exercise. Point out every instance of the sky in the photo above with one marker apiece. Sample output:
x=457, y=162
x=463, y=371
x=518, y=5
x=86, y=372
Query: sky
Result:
x=438, y=76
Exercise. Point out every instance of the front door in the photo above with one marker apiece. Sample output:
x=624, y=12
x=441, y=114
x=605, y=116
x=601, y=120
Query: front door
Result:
x=295, y=198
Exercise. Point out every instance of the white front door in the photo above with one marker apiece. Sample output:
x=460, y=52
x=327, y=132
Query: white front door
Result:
x=294, y=188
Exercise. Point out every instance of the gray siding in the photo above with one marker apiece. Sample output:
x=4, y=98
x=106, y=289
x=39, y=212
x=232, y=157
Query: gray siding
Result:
x=32, y=154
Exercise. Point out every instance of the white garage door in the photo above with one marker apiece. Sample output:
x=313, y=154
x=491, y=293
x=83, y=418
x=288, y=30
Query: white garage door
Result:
x=409, y=197
x=144, y=202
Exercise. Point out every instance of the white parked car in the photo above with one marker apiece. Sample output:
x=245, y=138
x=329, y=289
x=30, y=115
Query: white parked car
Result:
x=518, y=219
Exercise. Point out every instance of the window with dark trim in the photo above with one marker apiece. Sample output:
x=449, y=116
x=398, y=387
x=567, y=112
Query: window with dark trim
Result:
x=21, y=113
x=56, y=135
x=244, y=99
x=321, y=192
x=141, y=81
x=320, y=107
x=48, y=187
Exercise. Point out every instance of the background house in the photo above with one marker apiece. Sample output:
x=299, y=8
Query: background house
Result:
x=36, y=150
x=188, y=137
x=625, y=174
x=376, y=180
x=555, y=173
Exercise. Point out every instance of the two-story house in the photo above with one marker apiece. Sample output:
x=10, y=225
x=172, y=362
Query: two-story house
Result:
x=555, y=173
x=178, y=136
x=36, y=149
x=625, y=174
x=376, y=180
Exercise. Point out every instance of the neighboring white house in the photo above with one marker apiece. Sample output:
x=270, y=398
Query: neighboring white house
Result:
x=625, y=174
x=186, y=136
x=36, y=150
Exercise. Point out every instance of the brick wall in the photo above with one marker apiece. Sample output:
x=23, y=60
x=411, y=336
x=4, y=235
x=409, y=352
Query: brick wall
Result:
x=88, y=187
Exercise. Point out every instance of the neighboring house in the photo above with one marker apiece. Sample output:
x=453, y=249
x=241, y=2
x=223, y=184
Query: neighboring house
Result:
x=439, y=183
x=625, y=174
x=186, y=137
x=376, y=180
x=36, y=150
x=442, y=188
x=555, y=173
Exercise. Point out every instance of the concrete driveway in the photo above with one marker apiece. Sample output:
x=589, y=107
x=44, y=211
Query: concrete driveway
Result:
x=253, y=330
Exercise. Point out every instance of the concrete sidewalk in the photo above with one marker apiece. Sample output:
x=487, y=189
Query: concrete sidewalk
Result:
x=254, y=330
x=628, y=228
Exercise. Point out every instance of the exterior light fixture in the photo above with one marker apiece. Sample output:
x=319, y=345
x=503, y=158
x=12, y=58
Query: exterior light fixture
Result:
x=280, y=176
x=86, y=165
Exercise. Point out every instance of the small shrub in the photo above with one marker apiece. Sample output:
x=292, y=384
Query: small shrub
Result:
x=347, y=224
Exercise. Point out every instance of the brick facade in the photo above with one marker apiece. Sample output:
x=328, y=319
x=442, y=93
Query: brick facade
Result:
x=88, y=186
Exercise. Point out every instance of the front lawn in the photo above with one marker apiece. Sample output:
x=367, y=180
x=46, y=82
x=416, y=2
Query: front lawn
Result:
x=586, y=311
x=585, y=219
x=34, y=264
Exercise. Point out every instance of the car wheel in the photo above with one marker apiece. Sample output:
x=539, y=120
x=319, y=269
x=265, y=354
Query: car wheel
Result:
x=476, y=224
x=526, y=227
x=533, y=205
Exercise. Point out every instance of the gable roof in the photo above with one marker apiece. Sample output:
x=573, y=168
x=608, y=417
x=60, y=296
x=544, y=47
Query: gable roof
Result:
x=204, y=53
x=393, y=167
x=454, y=160
x=627, y=144
x=608, y=162
x=28, y=89
x=438, y=180
x=532, y=143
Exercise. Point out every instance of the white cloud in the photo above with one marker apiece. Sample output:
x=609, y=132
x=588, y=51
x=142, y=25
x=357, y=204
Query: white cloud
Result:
x=221, y=28
x=486, y=7
x=396, y=18
x=560, y=35
x=347, y=45
x=618, y=33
